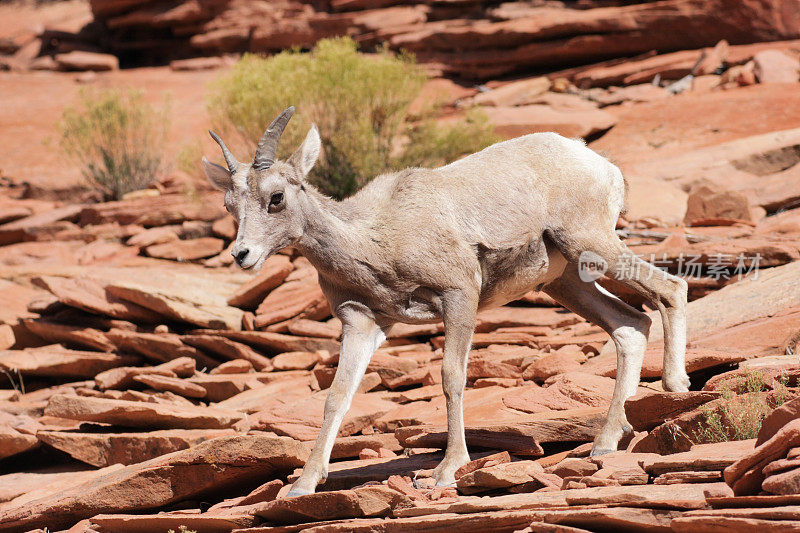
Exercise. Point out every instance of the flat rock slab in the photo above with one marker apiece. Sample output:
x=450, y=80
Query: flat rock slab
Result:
x=175, y=385
x=186, y=305
x=223, y=464
x=187, y=250
x=13, y=442
x=271, y=275
x=302, y=419
x=140, y=414
x=255, y=398
x=697, y=359
x=702, y=457
x=228, y=349
x=104, y=449
x=349, y=474
x=371, y=500
x=14, y=299
x=159, y=211
x=275, y=343
x=650, y=409
x=557, y=521
x=472, y=523
x=678, y=497
x=159, y=347
x=28, y=487
x=574, y=390
x=519, y=439
x=207, y=523
x=91, y=295
x=90, y=338
x=57, y=361
x=781, y=518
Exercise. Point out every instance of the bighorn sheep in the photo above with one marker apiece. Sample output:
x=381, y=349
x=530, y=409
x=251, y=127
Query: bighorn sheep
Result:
x=423, y=245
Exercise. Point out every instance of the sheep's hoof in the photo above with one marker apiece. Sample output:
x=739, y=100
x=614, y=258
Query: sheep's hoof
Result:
x=600, y=451
x=297, y=492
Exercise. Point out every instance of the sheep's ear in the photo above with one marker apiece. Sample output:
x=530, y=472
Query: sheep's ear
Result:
x=305, y=156
x=217, y=175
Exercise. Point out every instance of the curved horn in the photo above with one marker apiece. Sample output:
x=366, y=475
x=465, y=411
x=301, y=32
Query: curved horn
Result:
x=231, y=161
x=268, y=145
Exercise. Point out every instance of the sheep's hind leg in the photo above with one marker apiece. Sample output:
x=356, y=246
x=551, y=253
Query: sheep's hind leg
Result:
x=665, y=292
x=628, y=329
x=668, y=294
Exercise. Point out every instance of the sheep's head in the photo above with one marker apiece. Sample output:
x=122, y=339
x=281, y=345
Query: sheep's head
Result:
x=265, y=196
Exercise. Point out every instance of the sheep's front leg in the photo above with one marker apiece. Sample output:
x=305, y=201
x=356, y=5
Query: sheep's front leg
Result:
x=361, y=336
x=458, y=314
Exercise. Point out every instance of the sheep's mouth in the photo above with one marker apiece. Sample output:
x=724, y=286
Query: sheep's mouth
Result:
x=255, y=267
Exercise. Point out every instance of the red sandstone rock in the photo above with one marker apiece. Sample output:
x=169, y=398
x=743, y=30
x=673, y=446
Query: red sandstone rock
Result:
x=64, y=334
x=158, y=346
x=706, y=204
x=568, y=391
x=78, y=60
x=159, y=211
x=122, y=377
x=512, y=122
x=152, y=236
x=500, y=475
x=650, y=409
x=56, y=361
x=236, y=366
x=104, y=449
x=186, y=250
x=777, y=419
x=139, y=414
x=774, y=66
x=559, y=362
x=302, y=419
x=184, y=303
x=745, y=475
x=167, y=383
x=293, y=298
x=228, y=349
x=295, y=360
x=513, y=94
x=271, y=275
x=371, y=500
x=91, y=295
x=219, y=464
x=13, y=442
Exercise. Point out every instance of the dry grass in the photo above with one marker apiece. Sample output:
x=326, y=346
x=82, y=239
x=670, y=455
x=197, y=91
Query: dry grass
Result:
x=745, y=404
x=118, y=140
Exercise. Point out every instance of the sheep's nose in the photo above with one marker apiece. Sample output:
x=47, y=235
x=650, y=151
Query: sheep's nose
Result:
x=240, y=256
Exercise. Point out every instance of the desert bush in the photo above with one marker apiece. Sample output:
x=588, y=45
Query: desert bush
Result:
x=187, y=159
x=746, y=403
x=117, y=138
x=360, y=103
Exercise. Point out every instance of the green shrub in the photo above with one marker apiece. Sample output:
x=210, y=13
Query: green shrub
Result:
x=747, y=402
x=360, y=103
x=118, y=140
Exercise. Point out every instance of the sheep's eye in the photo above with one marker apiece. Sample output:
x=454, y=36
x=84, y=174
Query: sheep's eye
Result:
x=276, y=198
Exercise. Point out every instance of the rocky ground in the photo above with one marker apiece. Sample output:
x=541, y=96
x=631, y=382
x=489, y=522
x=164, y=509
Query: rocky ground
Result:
x=147, y=384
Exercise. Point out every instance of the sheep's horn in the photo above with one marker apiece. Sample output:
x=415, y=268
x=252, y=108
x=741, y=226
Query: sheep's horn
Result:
x=268, y=145
x=230, y=160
